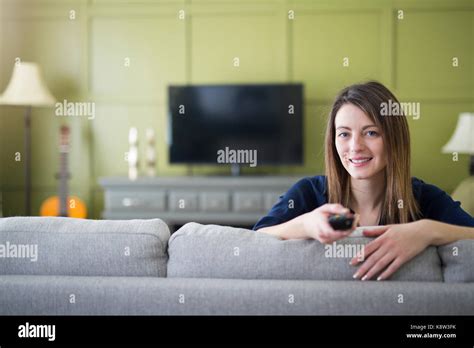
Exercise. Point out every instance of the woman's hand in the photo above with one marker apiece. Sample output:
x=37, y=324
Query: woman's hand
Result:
x=395, y=245
x=316, y=225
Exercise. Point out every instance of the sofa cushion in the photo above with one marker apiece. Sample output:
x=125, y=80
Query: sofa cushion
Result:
x=457, y=259
x=68, y=246
x=211, y=251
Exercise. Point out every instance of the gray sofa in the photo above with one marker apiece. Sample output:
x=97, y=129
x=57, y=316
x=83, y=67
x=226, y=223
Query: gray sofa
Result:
x=65, y=266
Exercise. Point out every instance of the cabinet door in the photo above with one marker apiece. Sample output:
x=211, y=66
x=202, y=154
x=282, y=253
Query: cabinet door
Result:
x=133, y=200
x=247, y=202
x=214, y=201
x=183, y=201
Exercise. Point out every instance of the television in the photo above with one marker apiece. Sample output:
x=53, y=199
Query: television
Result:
x=209, y=123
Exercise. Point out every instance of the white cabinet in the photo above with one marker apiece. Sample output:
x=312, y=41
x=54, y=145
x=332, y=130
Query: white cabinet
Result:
x=221, y=200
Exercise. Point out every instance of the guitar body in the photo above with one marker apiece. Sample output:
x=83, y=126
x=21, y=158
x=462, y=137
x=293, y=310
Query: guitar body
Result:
x=64, y=204
x=52, y=207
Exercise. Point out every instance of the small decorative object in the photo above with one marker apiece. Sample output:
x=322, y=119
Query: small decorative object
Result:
x=133, y=154
x=150, y=152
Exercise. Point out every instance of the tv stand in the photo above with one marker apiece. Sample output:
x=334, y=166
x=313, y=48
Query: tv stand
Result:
x=224, y=200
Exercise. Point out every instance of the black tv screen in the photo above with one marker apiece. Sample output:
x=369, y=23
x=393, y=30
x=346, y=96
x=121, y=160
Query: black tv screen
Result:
x=211, y=122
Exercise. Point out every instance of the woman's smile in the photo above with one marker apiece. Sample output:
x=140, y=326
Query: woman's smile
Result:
x=360, y=161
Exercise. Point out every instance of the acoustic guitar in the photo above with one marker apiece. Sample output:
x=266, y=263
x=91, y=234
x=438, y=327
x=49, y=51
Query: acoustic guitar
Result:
x=63, y=204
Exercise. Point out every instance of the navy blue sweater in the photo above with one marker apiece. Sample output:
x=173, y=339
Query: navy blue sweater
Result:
x=310, y=193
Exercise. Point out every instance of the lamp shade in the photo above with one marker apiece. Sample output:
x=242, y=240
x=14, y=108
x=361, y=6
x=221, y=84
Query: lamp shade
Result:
x=462, y=140
x=26, y=87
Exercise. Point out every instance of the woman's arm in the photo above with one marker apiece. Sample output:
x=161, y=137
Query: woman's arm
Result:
x=397, y=244
x=442, y=233
x=311, y=225
x=293, y=229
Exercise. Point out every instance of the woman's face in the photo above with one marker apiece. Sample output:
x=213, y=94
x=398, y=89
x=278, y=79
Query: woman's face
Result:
x=359, y=143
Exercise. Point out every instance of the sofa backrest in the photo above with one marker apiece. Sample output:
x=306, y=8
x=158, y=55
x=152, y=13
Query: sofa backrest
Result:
x=79, y=247
x=212, y=251
x=458, y=261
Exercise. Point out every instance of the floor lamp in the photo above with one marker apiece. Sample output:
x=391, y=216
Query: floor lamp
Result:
x=27, y=88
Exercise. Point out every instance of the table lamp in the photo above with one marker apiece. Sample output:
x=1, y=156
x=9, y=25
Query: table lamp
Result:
x=462, y=142
x=27, y=88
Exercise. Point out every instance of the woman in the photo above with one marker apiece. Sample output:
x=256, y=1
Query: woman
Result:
x=367, y=160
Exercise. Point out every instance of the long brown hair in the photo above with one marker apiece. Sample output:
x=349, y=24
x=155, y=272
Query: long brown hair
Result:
x=399, y=204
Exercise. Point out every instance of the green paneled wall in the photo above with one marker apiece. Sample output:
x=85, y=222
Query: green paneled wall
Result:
x=84, y=47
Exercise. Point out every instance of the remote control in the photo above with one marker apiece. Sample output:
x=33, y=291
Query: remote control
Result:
x=341, y=222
